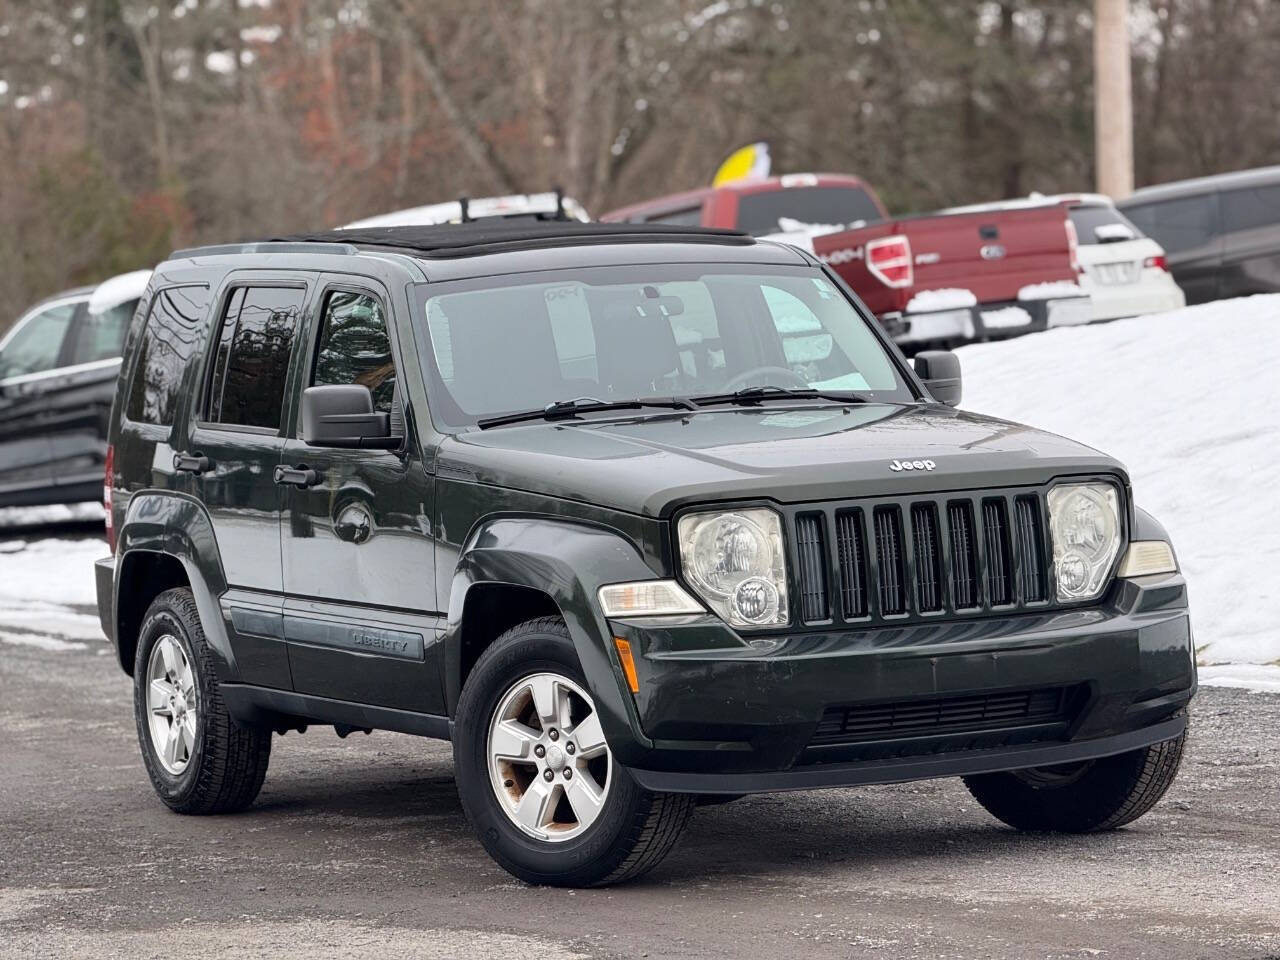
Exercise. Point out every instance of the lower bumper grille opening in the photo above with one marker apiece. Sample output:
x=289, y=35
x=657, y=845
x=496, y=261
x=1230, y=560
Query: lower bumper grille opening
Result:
x=944, y=717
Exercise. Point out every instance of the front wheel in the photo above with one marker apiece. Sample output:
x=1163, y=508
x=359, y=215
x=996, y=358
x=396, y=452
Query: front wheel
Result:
x=536, y=776
x=1081, y=797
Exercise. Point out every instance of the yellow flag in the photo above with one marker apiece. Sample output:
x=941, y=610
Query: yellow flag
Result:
x=747, y=163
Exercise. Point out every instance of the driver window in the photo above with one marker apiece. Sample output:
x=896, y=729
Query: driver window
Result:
x=354, y=347
x=35, y=345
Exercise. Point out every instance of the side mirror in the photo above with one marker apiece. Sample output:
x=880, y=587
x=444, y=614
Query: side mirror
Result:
x=940, y=371
x=342, y=415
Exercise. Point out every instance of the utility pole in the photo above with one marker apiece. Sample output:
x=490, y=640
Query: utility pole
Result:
x=1112, y=98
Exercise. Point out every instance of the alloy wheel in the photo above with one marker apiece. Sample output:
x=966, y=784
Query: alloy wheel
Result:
x=171, y=704
x=548, y=761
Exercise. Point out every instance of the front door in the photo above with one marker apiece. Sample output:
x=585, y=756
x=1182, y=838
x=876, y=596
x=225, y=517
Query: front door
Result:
x=231, y=454
x=28, y=360
x=358, y=555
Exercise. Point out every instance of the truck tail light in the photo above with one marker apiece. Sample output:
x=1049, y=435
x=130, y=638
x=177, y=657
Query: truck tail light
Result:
x=889, y=260
x=107, y=482
x=1155, y=263
x=1073, y=245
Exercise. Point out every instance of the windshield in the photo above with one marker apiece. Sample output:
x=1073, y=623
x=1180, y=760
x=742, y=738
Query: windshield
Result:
x=518, y=343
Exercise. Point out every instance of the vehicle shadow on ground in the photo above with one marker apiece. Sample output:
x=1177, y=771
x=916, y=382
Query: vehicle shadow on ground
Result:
x=844, y=829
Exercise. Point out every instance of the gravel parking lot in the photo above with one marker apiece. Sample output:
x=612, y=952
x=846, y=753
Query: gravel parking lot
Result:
x=358, y=847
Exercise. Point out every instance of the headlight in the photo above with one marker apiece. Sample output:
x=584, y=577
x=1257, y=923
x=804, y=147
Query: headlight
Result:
x=734, y=561
x=1084, y=522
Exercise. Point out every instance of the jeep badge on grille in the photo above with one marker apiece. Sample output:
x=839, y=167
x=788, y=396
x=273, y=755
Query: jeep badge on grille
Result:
x=897, y=465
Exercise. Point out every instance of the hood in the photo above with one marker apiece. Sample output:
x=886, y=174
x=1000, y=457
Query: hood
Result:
x=650, y=465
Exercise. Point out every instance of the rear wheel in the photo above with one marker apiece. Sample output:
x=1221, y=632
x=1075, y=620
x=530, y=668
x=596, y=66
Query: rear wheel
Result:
x=198, y=758
x=1081, y=797
x=536, y=776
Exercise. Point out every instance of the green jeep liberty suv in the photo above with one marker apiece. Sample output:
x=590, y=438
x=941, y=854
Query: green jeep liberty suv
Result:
x=635, y=517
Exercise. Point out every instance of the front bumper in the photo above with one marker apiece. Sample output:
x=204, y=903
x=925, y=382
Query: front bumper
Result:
x=717, y=714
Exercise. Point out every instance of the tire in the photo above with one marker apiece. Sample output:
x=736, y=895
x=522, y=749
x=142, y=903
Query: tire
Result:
x=631, y=830
x=1081, y=798
x=219, y=765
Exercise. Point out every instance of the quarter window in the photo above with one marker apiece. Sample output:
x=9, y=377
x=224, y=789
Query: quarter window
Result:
x=251, y=364
x=34, y=346
x=100, y=336
x=354, y=347
x=1251, y=208
x=172, y=335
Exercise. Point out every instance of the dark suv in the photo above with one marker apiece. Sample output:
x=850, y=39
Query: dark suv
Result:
x=1221, y=234
x=634, y=516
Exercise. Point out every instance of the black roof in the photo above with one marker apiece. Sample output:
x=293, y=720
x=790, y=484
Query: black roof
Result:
x=1236, y=179
x=469, y=239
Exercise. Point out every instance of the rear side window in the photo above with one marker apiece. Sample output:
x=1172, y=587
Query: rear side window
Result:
x=100, y=336
x=1251, y=208
x=34, y=346
x=761, y=213
x=1178, y=225
x=172, y=336
x=354, y=347
x=251, y=364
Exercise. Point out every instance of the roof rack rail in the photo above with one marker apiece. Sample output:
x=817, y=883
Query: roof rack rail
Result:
x=268, y=246
x=445, y=241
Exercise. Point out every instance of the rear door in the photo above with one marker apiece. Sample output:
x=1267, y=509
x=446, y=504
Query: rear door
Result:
x=1190, y=230
x=360, y=611
x=233, y=448
x=29, y=358
x=1250, y=240
x=79, y=397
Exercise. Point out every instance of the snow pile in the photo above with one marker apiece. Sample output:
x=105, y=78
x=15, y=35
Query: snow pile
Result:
x=1005, y=317
x=47, y=593
x=1188, y=400
x=11, y=517
x=801, y=234
x=1050, y=291
x=947, y=298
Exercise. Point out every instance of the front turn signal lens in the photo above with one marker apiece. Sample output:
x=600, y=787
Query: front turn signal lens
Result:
x=628, y=664
x=1146, y=558
x=647, y=598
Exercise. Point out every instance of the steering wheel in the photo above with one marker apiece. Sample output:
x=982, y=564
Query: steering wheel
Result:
x=740, y=380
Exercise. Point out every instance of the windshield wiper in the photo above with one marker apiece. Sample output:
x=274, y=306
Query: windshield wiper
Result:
x=758, y=394
x=564, y=409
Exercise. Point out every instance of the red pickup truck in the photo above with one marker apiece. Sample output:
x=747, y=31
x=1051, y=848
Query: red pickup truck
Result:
x=938, y=278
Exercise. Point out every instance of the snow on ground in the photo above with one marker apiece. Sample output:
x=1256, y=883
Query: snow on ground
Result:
x=944, y=298
x=1190, y=402
x=11, y=517
x=47, y=593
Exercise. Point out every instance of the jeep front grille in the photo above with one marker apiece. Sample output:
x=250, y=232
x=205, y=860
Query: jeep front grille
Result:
x=920, y=558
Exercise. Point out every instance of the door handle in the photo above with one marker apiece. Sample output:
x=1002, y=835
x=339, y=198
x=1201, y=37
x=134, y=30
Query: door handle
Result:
x=191, y=462
x=299, y=476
